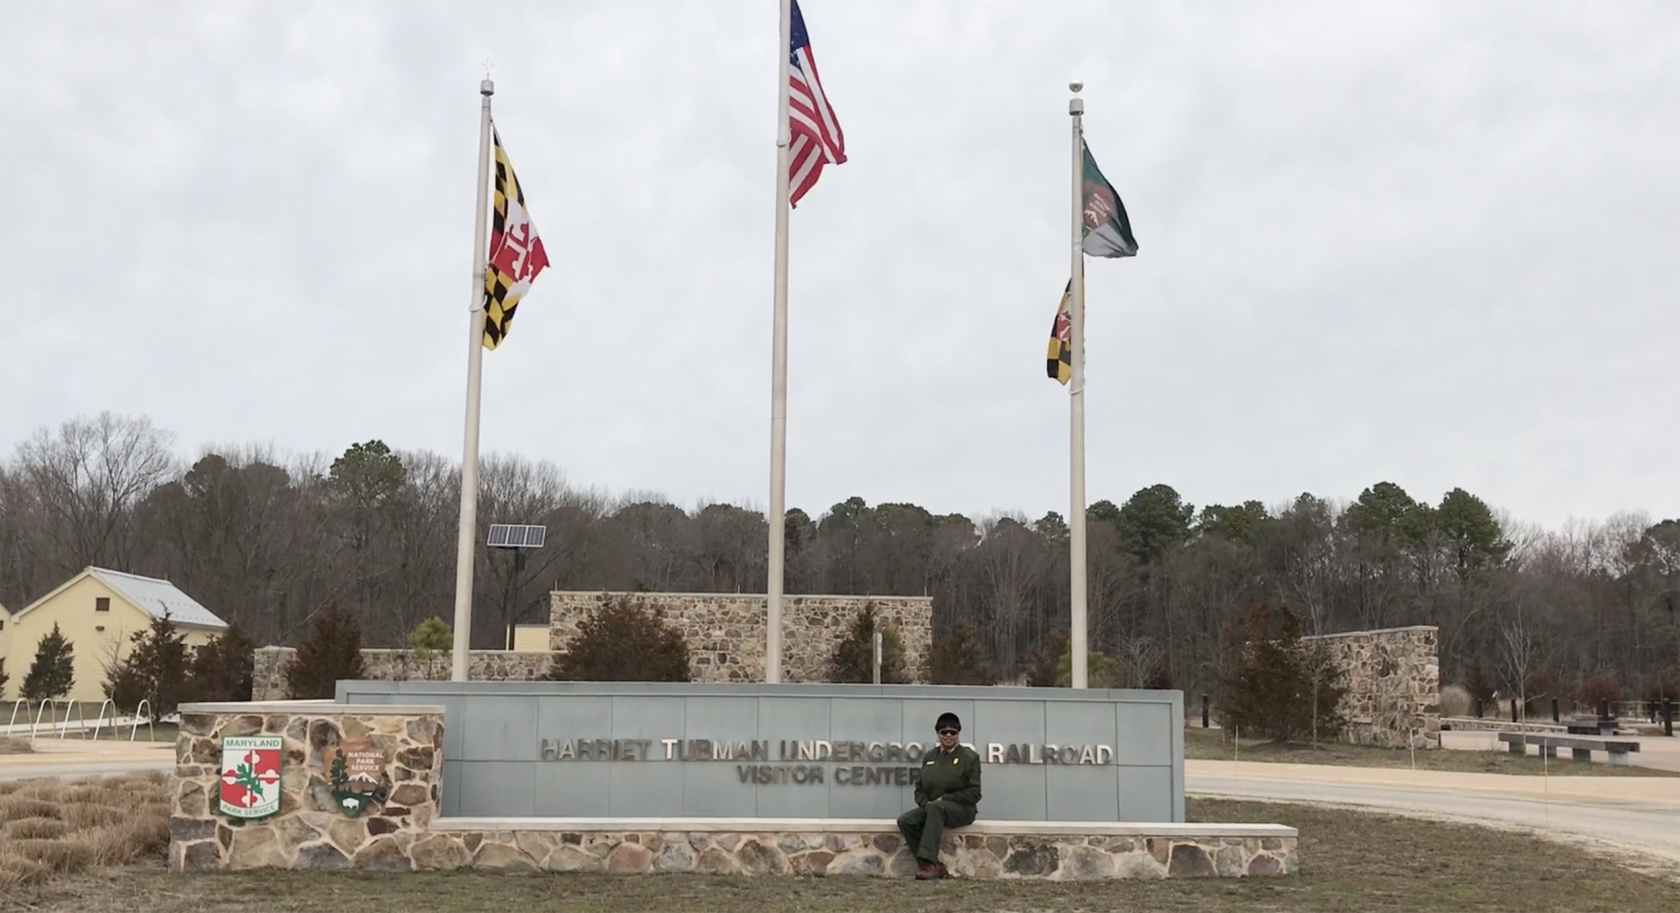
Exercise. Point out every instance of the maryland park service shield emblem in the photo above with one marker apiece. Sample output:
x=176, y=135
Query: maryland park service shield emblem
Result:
x=250, y=776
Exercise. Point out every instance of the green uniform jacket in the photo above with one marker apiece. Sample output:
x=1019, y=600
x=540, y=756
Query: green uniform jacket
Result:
x=954, y=777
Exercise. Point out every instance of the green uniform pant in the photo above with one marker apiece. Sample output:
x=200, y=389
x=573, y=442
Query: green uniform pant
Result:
x=923, y=826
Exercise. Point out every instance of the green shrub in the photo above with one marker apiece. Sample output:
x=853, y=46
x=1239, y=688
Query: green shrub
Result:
x=854, y=656
x=1275, y=685
x=54, y=670
x=623, y=642
x=330, y=652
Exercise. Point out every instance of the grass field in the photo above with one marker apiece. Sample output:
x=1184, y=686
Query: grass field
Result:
x=60, y=840
x=1213, y=745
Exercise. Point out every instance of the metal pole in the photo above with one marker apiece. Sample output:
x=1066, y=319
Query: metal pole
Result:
x=778, y=373
x=466, y=543
x=1668, y=717
x=511, y=609
x=1204, y=711
x=1076, y=403
x=877, y=657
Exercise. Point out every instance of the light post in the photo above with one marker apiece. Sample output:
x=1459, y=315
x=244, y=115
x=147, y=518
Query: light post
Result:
x=518, y=539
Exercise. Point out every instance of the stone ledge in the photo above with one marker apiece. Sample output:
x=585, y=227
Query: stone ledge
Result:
x=512, y=846
x=1165, y=829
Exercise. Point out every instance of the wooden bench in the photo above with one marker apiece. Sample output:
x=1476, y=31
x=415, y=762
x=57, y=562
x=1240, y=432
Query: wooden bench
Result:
x=1580, y=747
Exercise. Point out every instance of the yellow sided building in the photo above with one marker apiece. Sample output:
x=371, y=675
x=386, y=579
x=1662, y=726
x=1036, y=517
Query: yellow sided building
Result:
x=98, y=611
x=6, y=644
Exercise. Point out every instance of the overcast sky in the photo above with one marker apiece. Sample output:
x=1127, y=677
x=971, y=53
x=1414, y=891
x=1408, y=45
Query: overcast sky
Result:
x=1430, y=243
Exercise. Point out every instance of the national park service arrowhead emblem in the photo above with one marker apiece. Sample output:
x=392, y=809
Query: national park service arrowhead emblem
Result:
x=357, y=772
x=250, y=776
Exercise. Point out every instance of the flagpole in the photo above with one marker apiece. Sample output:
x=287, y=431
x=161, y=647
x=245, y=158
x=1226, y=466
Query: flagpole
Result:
x=778, y=374
x=466, y=545
x=1076, y=403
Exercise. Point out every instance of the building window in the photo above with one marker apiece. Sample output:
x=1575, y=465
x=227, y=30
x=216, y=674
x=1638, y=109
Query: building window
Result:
x=101, y=604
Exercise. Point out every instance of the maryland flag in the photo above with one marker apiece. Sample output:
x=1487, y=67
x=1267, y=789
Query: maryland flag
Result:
x=1058, y=360
x=516, y=253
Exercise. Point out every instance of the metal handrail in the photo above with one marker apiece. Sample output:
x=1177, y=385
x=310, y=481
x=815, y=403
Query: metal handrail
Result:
x=17, y=705
x=99, y=721
x=151, y=731
x=45, y=703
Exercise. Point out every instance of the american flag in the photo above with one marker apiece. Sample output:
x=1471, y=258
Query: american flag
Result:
x=812, y=126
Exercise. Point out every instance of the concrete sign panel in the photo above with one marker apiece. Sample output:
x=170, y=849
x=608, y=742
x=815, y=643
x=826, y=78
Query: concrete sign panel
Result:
x=607, y=749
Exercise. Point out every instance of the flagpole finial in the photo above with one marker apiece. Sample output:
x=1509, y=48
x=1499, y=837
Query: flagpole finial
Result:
x=487, y=88
x=1076, y=86
x=1076, y=105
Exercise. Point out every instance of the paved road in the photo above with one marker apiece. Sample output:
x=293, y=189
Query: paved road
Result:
x=1639, y=814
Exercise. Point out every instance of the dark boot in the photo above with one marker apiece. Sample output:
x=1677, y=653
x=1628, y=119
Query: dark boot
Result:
x=926, y=871
x=939, y=870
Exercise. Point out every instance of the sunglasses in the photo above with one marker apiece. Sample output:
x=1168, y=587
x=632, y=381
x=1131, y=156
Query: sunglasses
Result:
x=947, y=731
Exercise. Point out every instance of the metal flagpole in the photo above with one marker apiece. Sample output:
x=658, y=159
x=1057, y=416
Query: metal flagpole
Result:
x=466, y=545
x=778, y=373
x=1076, y=401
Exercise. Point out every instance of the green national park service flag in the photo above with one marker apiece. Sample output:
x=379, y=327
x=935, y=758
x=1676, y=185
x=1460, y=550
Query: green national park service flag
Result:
x=1108, y=233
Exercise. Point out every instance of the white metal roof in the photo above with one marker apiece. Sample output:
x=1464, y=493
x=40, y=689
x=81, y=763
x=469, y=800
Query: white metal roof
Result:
x=154, y=597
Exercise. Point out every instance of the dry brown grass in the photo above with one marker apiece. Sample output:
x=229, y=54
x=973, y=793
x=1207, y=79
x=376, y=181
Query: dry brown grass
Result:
x=36, y=828
x=13, y=745
x=55, y=827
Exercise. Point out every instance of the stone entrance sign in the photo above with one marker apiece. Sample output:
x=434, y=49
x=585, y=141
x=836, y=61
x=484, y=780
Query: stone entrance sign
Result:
x=629, y=750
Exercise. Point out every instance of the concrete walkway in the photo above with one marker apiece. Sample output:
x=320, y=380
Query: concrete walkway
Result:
x=78, y=758
x=50, y=730
x=1637, y=814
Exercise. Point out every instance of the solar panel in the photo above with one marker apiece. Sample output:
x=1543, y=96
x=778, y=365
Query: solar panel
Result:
x=514, y=535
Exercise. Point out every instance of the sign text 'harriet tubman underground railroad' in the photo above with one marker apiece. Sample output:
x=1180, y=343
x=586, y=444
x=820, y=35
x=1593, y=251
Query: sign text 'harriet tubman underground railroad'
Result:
x=873, y=763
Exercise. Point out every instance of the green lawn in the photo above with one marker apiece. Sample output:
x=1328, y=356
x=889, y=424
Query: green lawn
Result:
x=1351, y=861
x=1214, y=745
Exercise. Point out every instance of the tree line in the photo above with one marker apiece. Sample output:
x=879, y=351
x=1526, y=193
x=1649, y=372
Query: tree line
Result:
x=267, y=540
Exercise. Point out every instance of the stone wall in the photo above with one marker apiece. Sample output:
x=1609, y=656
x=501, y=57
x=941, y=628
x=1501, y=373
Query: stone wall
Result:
x=878, y=852
x=392, y=823
x=1393, y=677
x=401, y=746
x=268, y=683
x=725, y=631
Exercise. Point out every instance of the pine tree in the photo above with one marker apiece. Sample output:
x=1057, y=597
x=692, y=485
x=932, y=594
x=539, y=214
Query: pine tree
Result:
x=956, y=658
x=1043, y=664
x=1101, y=670
x=1275, y=685
x=54, y=670
x=624, y=642
x=4, y=678
x=854, y=656
x=155, y=671
x=222, y=669
x=330, y=652
x=431, y=636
